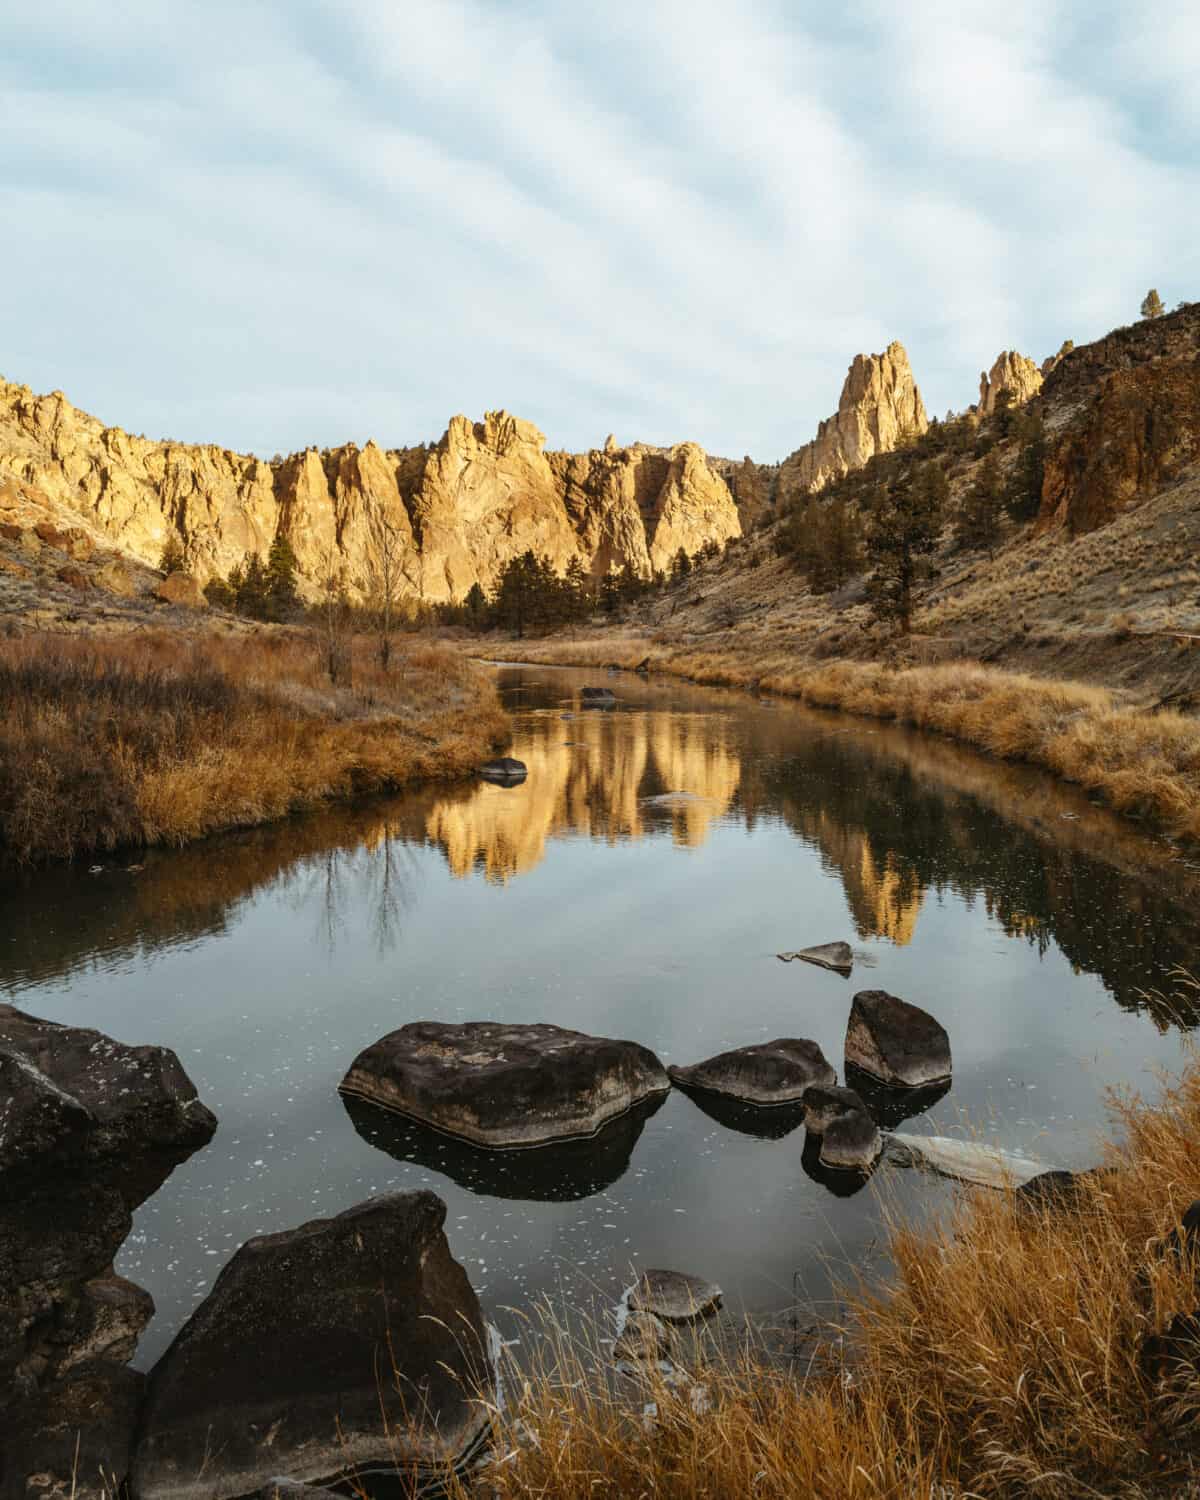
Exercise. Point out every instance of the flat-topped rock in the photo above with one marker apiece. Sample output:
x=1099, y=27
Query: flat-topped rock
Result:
x=356, y=1343
x=850, y=1138
x=72, y=1096
x=766, y=1073
x=504, y=1086
x=674, y=1296
x=839, y=957
x=504, y=769
x=896, y=1042
x=966, y=1161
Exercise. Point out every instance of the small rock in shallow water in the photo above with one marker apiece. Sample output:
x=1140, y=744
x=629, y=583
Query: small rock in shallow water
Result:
x=506, y=769
x=767, y=1073
x=674, y=1296
x=966, y=1161
x=839, y=957
x=850, y=1138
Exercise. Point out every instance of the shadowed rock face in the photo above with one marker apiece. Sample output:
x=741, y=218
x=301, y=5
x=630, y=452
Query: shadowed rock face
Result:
x=556, y=1173
x=849, y=1137
x=768, y=1073
x=89, y=1128
x=674, y=1296
x=74, y=1095
x=349, y=1343
x=898, y=1043
x=505, y=1086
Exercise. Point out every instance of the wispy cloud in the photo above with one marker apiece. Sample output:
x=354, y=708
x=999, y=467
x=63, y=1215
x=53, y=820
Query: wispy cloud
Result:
x=272, y=224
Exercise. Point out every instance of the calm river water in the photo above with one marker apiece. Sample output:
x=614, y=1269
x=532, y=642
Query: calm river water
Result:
x=1035, y=926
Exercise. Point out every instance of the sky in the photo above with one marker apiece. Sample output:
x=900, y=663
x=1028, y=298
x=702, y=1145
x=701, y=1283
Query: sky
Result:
x=274, y=223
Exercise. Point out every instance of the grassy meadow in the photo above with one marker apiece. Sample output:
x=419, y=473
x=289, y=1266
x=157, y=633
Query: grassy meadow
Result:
x=164, y=737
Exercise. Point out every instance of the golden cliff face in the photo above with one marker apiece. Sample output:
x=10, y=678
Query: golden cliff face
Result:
x=458, y=512
x=879, y=407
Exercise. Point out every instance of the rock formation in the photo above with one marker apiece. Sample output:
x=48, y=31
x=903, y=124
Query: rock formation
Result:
x=898, y=1043
x=348, y=1346
x=499, y=1085
x=879, y=407
x=1011, y=372
x=765, y=1073
x=1129, y=409
x=454, y=514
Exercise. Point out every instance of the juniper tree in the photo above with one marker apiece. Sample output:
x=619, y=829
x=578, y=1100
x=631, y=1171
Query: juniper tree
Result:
x=1152, y=306
x=901, y=540
x=978, y=521
x=172, y=559
x=1023, y=495
x=280, y=585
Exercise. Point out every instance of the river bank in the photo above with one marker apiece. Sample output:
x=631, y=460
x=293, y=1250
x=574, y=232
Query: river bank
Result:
x=1143, y=764
x=1015, y=1349
x=162, y=737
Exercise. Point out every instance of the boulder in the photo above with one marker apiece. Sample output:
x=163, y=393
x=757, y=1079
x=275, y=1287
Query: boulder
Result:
x=73, y=1439
x=766, y=1073
x=504, y=1086
x=596, y=697
x=896, y=1042
x=966, y=1161
x=836, y=956
x=350, y=1345
x=181, y=589
x=75, y=1095
x=674, y=1296
x=559, y=1173
x=850, y=1138
x=1057, y=1191
x=505, y=770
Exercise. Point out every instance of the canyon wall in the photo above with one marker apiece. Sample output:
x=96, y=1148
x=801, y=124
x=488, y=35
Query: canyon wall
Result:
x=454, y=513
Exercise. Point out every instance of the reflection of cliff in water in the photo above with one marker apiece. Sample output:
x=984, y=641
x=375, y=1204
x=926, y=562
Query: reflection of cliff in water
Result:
x=897, y=816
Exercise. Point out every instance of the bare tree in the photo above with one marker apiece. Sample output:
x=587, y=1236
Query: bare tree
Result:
x=388, y=572
x=334, y=614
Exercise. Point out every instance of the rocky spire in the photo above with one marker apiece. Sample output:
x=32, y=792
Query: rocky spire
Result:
x=1011, y=372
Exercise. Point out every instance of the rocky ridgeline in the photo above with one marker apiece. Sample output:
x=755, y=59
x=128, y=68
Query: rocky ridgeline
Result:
x=455, y=513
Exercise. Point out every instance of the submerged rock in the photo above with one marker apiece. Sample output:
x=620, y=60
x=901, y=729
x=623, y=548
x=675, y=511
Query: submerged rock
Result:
x=674, y=1296
x=348, y=1345
x=966, y=1161
x=504, y=1086
x=839, y=957
x=506, y=770
x=850, y=1139
x=896, y=1042
x=766, y=1073
x=555, y=1173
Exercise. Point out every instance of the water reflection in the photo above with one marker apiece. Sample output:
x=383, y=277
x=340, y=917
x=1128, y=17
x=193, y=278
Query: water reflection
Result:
x=764, y=1122
x=561, y=1173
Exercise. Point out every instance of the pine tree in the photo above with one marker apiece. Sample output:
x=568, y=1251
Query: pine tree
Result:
x=280, y=596
x=517, y=594
x=682, y=565
x=978, y=521
x=1023, y=496
x=902, y=539
x=172, y=559
x=1152, y=306
x=251, y=588
x=610, y=594
x=475, y=606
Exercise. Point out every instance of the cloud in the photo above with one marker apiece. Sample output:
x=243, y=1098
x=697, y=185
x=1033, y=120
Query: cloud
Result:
x=269, y=225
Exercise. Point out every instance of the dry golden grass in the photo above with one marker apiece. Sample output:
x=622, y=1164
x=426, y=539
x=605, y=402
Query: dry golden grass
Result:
x=163, y=738
x=1142, y=764
x=1004, y=1356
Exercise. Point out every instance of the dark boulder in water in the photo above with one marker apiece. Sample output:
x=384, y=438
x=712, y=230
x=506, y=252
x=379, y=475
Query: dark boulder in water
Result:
x=506, y=770
x=503, y=1086
x=674, y=1296
x=850, y=1138
x=898, y=1043
x=767, y=1073
x=348, y=1346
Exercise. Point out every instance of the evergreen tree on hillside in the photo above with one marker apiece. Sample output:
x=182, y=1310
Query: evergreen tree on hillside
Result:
x=682, y=565
x=1023, y=496
x=610, y=594
x=517, y=594
x=172, y=560
x=901, y=540
x=1152, y=306
x=978, y=521
x=578, y=585
x=280, y=591
x=250, y=588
